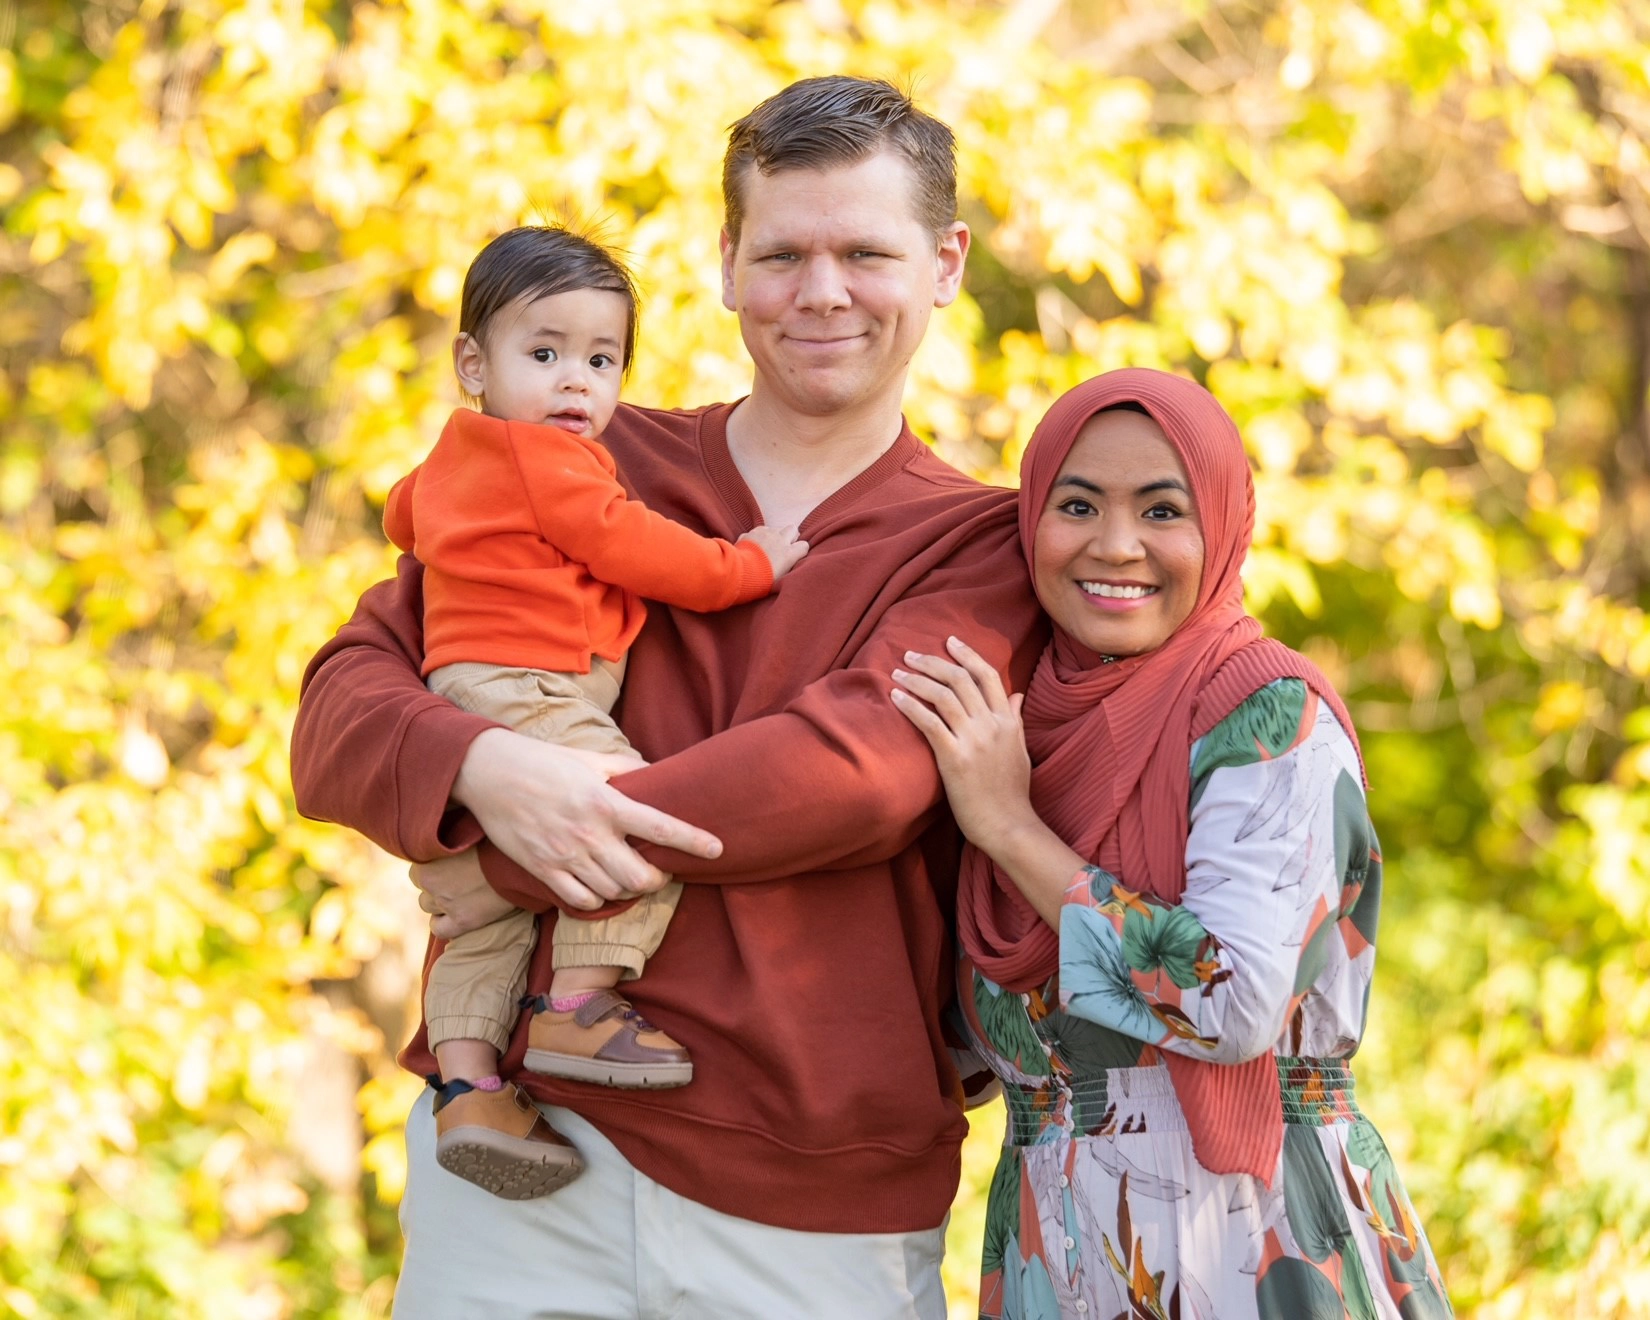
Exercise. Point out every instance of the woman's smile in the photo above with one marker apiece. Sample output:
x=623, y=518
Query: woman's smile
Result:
x=1118, y=596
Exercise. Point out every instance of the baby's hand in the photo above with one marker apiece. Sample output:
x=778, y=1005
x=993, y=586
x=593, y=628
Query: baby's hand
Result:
x=780, y=545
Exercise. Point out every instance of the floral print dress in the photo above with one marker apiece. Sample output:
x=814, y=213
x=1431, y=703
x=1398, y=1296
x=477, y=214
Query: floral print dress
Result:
x=1098, y=1207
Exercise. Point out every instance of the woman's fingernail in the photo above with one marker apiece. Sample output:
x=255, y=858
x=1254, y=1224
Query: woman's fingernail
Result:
x=911, y=657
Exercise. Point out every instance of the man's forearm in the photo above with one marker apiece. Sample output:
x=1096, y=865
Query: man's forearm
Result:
x=372, y=748
x=786, y=795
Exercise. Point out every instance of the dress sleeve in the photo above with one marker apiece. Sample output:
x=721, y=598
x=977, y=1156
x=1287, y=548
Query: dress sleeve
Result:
x=582, y=510
x=1279, y=904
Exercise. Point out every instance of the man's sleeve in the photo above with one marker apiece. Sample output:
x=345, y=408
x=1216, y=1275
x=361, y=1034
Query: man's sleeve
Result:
x=584, y=512
x=372, y=747
x=839, y=777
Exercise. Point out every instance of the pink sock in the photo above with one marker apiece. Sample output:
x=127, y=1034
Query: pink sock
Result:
x=567, y=1003
x=492, y=1083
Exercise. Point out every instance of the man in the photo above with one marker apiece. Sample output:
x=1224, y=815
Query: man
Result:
x=808, y=1168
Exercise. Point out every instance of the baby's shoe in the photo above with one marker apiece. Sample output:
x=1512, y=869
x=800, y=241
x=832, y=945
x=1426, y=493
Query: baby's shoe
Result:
x=606, y=1041
x=500, y=1141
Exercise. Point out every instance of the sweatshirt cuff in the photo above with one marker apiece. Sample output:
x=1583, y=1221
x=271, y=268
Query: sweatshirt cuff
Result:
x=433, y=747
x=755, y=573
x=512, y=881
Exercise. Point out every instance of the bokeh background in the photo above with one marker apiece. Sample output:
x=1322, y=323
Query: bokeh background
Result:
x=1406, y=242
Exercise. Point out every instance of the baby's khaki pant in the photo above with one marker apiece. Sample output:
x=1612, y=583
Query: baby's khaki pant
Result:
x=476, y=983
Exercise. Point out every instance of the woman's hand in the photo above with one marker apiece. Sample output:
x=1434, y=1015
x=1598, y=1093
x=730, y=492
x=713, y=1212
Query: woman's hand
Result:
x=551, y=810
x=456, y=895
x=974, y=727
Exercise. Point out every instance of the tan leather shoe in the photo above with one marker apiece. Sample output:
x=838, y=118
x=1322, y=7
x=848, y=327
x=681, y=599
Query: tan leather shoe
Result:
x=606, y=1041
x=500, y=1141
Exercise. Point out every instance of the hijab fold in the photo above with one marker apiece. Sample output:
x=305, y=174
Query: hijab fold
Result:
x=1110, y=741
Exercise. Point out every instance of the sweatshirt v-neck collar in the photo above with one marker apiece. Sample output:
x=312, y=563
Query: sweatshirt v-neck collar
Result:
x=725, y=477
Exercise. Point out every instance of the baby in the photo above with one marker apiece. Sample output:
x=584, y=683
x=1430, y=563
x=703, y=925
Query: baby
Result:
x=535, y=564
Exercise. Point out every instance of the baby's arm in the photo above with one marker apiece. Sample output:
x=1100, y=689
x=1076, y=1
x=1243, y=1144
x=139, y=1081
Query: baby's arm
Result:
x=780, y=545
x=582, y=510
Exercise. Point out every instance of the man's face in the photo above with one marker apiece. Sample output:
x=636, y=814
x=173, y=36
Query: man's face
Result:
x=834, y=280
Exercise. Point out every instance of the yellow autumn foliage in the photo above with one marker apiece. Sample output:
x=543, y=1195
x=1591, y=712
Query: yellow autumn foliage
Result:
x=1407, y=245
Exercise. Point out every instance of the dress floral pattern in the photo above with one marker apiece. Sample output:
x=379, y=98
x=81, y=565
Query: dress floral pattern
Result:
x=1098, y=1207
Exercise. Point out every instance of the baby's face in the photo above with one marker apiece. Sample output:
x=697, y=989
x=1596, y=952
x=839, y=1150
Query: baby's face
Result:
x=554, y=361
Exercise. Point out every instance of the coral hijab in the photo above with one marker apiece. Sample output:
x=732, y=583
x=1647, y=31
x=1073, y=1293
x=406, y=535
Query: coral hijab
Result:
x=1110, y=742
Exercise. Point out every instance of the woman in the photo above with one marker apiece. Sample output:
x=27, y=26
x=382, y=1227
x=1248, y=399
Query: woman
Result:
x=1190, y=818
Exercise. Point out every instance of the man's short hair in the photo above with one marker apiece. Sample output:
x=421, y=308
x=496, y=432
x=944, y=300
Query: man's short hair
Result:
x=536, y=261
x=826, y=123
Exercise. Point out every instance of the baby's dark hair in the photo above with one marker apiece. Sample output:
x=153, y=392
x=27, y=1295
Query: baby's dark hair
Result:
x=535, y=261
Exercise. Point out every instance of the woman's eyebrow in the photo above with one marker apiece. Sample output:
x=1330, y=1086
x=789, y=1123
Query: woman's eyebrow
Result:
x=1151, y=487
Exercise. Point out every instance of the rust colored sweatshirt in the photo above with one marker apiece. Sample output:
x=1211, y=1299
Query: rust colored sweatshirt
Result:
x=535, y=556
x=807, y=967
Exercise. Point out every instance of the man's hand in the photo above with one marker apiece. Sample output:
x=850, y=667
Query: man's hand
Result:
x=456, y=895
x=550, y=809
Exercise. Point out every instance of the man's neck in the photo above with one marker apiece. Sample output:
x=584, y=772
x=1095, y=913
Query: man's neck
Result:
x=792, y=462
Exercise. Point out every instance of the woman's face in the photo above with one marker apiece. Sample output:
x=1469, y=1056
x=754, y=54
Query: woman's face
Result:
x=1119, y=549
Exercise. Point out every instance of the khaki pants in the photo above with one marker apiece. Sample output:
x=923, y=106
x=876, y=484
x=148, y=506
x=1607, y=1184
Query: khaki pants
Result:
x=476, y=983
x=615, y=1245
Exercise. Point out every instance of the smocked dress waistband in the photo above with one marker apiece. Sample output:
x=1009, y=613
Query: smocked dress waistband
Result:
x=1316, y=1092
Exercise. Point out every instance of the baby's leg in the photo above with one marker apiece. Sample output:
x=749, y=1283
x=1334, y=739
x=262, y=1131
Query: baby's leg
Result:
x=582, y=1028
x=487, y=1129
x=472, y=999
x=572, y=710
x=598, y=954
x=595, y=1035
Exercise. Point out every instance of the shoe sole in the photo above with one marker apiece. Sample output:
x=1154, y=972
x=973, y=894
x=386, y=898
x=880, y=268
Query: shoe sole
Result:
x=628, y=1076
x=496, y=1162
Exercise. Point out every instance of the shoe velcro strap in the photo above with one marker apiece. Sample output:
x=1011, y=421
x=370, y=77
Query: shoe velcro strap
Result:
x=446, y=1091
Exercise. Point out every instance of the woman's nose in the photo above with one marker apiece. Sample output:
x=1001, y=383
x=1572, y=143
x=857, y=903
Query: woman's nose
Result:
x=1115, y=541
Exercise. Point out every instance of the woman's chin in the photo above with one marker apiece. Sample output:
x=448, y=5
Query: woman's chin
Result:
x=1110, y=636
x=1118, y=628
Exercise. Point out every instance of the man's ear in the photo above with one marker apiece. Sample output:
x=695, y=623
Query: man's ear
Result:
x=470, y=366
x=728, y=249
x=949, y=259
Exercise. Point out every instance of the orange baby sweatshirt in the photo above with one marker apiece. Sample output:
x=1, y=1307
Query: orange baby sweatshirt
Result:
x=536, y=556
